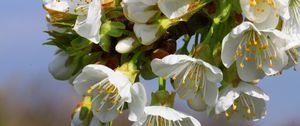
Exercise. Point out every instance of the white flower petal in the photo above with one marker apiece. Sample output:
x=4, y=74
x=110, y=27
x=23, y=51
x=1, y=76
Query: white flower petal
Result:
x=252, y=90
x=150, y=2
x=89, y=76
x=231, y=41
x=283, y=7
x=170, y=115
x=251, y=11
x=259, y=106
x=147, y=33
x=213, y=74
x=123, y=84
x=197, y=103
x=271, y=21
x=281, y=59
x=260, y=109
x=245, y=26
x=103, y=116
x=227, y=97
x=170, y=65
x=291, y=27
x=184, y=91
x=88, y=26
x=61, y=6
x=138, y=12
x=164, y=112
x=70, y=6
x=174, y=8
x=59, y=69
x=210, y=94
x=139, y=100
x=249, y=72
x=229, y=47
x=264, y=14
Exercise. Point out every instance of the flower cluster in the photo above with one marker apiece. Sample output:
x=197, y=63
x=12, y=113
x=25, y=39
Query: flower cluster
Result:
x=106, y=46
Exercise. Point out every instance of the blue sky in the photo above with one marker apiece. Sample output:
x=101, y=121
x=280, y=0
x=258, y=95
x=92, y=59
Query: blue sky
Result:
x=22, y=53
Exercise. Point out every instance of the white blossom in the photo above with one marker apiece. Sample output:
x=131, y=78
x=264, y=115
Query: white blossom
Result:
x=194, y=79
x=265, y=13
x=164, y=116
x=257, y=52
x=110, y=90
x=88, y=15
x=244, y=101
x=291, y=28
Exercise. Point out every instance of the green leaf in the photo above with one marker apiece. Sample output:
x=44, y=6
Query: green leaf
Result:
x=63, y=24
x=115, y=33
x=114, y=14
x=105, y=43
x=114, y=29
x=80, y=43
x=91, y=58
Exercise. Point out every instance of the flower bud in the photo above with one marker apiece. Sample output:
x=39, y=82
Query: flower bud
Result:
x=62, y=66
x=125, y=45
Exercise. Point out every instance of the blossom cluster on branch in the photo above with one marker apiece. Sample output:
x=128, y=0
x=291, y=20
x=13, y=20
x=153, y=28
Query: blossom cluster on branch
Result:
x=105, y=47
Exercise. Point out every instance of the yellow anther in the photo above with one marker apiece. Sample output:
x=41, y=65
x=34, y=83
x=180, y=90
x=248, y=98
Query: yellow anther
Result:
x=248, y=50
x=234, y=107
x=242, y=65
x=247, y=59
x=272, y=3
x=253, y=2
x=227, y=114
x=254, y=43
x=174, y=78
x=270, y=65
x=264, y=46
x=248, y=110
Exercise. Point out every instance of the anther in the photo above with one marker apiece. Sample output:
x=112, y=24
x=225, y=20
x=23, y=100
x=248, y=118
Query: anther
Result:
x=174, y=77
x=242, y=65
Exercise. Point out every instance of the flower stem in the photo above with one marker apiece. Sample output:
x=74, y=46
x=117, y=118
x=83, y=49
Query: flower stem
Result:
x=135, y=57
x=162, y=84
x=110, y=123
x=210, y=34
x=186, y=40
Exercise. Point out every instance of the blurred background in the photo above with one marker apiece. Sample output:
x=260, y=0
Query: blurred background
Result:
x=29, y=96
